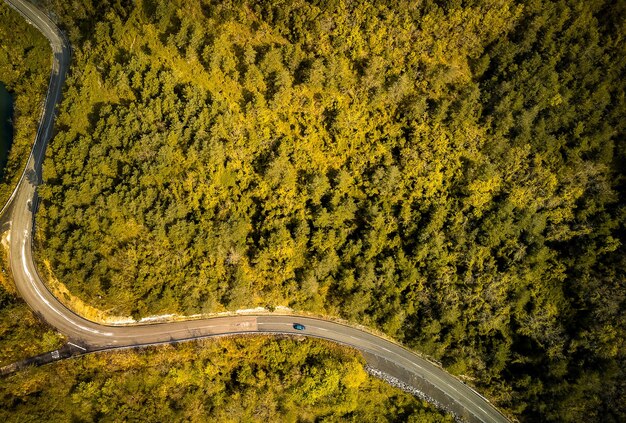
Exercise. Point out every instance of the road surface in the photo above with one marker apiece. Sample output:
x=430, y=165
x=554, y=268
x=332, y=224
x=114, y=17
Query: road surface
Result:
x=381, y=354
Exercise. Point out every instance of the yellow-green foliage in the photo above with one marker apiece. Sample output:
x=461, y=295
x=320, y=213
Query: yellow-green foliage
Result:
x=227, y=380
x=448, y=172
x=24, y=69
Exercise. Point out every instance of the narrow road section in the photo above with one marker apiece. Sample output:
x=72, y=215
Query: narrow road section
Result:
x=84, y=335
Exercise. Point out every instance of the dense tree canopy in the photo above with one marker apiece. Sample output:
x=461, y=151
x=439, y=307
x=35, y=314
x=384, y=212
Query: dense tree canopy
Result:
x=450, y=172
x=256, y=379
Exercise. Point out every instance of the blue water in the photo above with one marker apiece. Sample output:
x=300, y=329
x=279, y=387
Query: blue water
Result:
x=6, y=126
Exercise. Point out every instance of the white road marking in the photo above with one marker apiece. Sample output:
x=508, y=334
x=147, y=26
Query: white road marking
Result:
x=77, y=346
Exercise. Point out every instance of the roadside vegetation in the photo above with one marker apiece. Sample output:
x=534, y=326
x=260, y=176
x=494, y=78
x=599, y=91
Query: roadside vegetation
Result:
x=450, y=173
x=252, y=379
x=24, y=70
x=22, y=334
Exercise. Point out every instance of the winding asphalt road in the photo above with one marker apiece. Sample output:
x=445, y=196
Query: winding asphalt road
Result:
x=388, y=357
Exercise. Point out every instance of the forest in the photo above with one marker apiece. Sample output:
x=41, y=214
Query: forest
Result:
x=24, y=69
x=449, y=172
x=253, y=379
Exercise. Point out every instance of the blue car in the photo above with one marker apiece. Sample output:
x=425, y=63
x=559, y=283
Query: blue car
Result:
x=298, y=326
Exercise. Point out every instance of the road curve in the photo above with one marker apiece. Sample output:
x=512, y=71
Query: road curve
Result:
x=381, y=354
